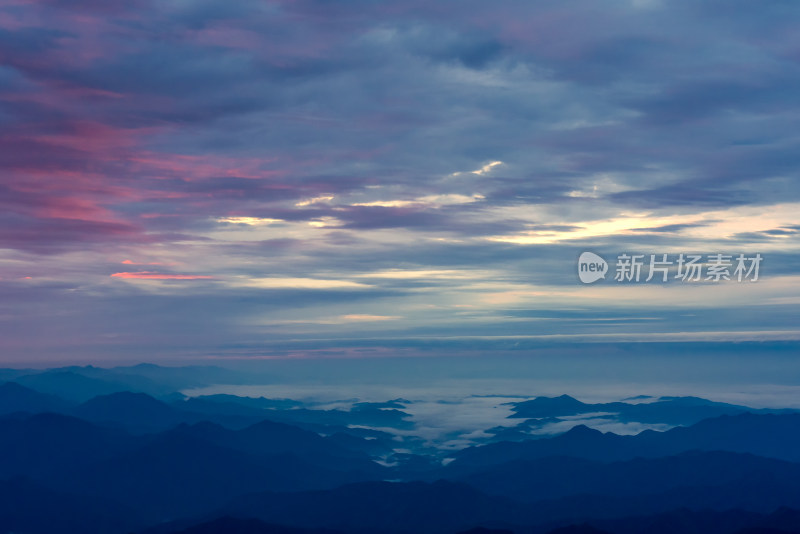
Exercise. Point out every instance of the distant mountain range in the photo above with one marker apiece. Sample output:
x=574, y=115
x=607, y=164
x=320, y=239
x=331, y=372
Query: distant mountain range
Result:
x=771, y=435
x=669, y=410
x=127, y=461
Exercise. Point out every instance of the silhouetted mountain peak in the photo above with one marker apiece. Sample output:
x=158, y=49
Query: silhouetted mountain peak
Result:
x=15, y=397
x=137, y=412
x=12, y=388
x=550, y=406
x=580, y=431
x=123, y=405
x=145, y=365
x=638, y=397
x=691, y=401
x=58, y=422
x=70, y=384
x=561, y=400
x=126, y=397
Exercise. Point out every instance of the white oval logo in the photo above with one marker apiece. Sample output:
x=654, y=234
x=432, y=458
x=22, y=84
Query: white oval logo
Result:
x=591, y=267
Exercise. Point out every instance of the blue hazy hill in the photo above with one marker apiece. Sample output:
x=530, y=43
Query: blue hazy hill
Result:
x=666, y=410
x=771, y=435
x=15, y=397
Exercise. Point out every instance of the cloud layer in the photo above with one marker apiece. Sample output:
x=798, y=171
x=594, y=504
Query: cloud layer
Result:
x=197, y=178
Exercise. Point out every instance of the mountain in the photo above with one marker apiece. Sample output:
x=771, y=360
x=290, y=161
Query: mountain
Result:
x=756, y=493
x=665, y=410
x=539, y=407
x=137, y=412
x=191, y=469
x=70, y=385
x=186, y=470
x=169, y=379
x=18, y=398
x=384, y=507
x=10, y=375
x=45, y=445
x=683, y=521
x=445, y=506
x=81, y=383
x=238, y=412
x=770, y=435
x=371, y=442
x=579, y=442
x=33, y=509
x=232, y=404
x=269, y=437
x=141, y=413
x=554, y=477
x=187, y=473
x=176, y=475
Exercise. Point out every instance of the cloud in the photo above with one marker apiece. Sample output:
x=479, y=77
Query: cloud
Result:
x=148, y=275
x=360, y=317
x=315, y=200
x=426, y=201
x=297, y=283
x=250, y=221
x=131, y=262
x=407, y=274
x=441, y=164
x=603, y=424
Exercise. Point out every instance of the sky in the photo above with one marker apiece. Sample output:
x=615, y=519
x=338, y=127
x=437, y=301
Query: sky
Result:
x=193, y=180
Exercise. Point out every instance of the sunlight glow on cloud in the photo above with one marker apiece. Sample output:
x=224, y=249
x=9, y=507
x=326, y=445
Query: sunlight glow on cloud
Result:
x=430, y=200
x=487, y=168
x=360, y=318
x=250, y=221
x=611, y=295
x=708, y=225
x=315, y=200
x=296, y=283
x=325, y=222
x=483, y=170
